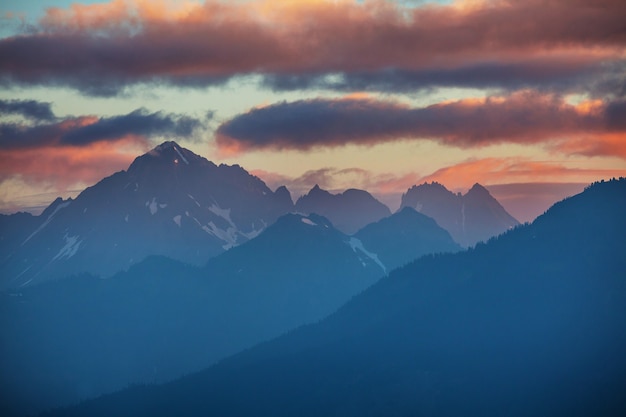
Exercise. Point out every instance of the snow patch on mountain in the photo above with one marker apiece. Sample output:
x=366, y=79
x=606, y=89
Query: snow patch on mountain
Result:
x=357, y=244
x=21, y=273
x=254, y=233
x=308, y=221
x=72, y=244
x=181, y=155
x=50, y=217
x=229, y=235
x=194, y=200
x=196, y=220
x=223, y=213
x=153, y=206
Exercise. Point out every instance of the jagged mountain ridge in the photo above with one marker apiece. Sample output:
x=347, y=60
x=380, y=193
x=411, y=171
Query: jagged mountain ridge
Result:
x=169, y=202
x=470, y=218
x=348, y=211
x=174, y=203
x=531, y=323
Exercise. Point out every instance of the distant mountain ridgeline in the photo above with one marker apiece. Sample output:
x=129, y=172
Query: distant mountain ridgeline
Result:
x=531, y=323
x=470, y=218
x=201, y=262
x=174, y=203
x=169, y=202
x=348, y=211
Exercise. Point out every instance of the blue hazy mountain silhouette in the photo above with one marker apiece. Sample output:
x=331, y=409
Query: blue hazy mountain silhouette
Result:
x=169, y=202
x=470, y=218
x=348, y=211
x=162, y=318
x=405, y=236
x=79, y=337
x=74, y=338
x=174, y=203
x=530, y=323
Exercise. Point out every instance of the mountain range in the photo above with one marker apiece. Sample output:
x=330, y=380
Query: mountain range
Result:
x=530, y=323
x=169, y=202
x=174, y=203
x=470, y=218
x=349, y=211
x=80, y=337
x=177, y=263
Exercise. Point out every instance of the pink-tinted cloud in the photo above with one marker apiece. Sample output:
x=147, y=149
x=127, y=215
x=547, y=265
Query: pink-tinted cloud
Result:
x=598, y=145
x=107, y=46
x=524, y=117
x=65, y=168
x=385, y=187
x=330, y=179
x=78, y=151
x=526, y=201
x=487, y=171
x=552, y=73
x=526, y=188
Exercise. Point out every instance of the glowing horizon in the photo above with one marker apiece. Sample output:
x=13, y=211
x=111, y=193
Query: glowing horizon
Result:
x=378, y=95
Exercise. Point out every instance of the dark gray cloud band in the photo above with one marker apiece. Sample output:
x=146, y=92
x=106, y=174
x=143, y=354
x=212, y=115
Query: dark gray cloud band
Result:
x=85, y=130
x=525, y=117
x=373, y=45
x=548, y=75
x=30, y=109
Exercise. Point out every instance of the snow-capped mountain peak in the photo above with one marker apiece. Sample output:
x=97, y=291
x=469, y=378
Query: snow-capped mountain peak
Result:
x=169, y=202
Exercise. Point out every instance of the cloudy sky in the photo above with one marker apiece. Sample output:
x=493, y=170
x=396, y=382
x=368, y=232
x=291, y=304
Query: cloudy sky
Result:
x=526, y=97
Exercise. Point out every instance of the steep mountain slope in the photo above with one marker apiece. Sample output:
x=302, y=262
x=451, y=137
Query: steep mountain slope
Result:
x=470, y=218
x=169, y=202
x=404, y=237
x=348, y=211
x=17, y=227
x=304, y=263
x=79, y=337
x=531, y=323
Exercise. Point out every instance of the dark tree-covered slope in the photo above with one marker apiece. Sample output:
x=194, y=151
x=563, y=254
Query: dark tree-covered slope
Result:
x=531, y=323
